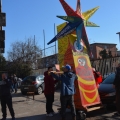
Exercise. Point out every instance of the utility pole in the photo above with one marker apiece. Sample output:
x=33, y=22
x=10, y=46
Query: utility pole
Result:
x=35, y=53
x=44, y=41
x=44, y=62
x=0, y=11
x=55, y=41
x=1, y=26
x=2, y=32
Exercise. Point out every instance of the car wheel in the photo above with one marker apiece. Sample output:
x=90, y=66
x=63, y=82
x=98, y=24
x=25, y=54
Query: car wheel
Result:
x=39, y=90
x=82, y=115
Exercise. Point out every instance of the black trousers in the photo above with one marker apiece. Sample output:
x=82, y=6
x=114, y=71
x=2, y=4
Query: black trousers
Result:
x=49, y=103
x=61, y=102
x=7, y=100
x=70, y=100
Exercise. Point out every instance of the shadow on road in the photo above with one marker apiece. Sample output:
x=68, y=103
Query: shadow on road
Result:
x=104, y=114
x=44, y=117
x=17, y=95
x=42, y=100
x=38, y=117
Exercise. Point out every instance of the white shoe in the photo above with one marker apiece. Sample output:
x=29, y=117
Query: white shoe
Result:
x=49, y=115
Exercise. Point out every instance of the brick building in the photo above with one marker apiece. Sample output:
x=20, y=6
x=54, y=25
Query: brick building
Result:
x=97, y=47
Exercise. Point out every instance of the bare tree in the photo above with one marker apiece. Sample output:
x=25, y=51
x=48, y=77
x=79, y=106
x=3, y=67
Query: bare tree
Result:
x=25, y=53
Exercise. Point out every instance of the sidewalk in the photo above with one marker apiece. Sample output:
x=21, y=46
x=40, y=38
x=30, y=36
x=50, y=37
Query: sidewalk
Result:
x=35, y=109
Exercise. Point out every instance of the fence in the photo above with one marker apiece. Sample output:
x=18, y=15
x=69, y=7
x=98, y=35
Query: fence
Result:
x=104, y=66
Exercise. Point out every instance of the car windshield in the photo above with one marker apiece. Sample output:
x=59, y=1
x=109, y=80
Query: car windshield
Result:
x=109, y=79
x=30, y=78
x=41, y=77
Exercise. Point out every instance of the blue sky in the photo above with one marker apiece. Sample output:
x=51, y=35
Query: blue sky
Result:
x=26, y=18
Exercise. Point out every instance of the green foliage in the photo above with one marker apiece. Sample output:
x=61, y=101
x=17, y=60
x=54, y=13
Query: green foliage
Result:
x=109, y=54
x=104, y=54
x=20, y=69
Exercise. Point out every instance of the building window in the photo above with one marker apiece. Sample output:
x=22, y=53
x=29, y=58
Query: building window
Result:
x=91, y=47
x=105, y=47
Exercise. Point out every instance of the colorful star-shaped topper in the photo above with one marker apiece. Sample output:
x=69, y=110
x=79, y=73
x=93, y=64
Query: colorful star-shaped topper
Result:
x=76, y=22
x=78, y=14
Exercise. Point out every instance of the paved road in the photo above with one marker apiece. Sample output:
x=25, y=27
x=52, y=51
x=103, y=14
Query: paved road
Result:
x=27, y=109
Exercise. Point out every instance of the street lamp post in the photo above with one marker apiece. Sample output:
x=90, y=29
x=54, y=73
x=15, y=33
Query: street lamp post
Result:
x=119, y=35
x=2, y=32
x=1, y=26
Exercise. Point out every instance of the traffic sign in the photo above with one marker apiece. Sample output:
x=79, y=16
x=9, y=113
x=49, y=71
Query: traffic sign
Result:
x=2, y=50
x=2, y=44
x=2, y=35
x=2, y=19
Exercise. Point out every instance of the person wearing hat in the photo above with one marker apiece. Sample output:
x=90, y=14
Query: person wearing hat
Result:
x=67, y=90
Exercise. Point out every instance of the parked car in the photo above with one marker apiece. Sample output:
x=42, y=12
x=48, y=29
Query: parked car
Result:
x=106, y=90
x=37, y=81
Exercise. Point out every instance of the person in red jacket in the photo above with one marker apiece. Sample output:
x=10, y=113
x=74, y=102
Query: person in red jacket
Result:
x=97, y=76
x=49, y=91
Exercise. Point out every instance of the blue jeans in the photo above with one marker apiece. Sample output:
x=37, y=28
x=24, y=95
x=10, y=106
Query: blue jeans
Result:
x=12, y=87
x=15, y=87
x=68, y=99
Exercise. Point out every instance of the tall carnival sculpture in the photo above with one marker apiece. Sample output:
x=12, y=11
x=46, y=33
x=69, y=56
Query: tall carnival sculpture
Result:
x=74, y=49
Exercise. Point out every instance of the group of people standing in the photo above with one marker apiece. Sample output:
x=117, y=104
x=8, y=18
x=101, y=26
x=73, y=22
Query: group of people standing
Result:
x=67, y=90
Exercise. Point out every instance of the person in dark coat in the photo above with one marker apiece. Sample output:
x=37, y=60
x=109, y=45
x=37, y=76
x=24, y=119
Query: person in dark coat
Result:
x=49, y=91
x=67, y=90
x=116, y=84
x=6, y=98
